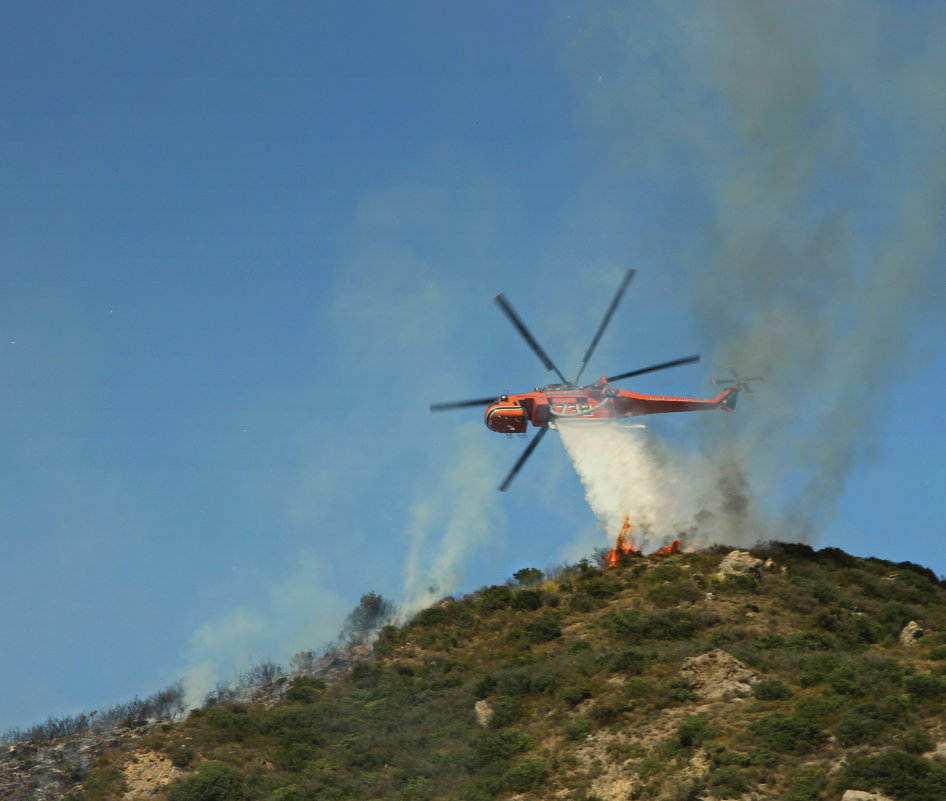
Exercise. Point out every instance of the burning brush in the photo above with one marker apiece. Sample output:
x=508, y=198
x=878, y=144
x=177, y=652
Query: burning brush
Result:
x=625, y=546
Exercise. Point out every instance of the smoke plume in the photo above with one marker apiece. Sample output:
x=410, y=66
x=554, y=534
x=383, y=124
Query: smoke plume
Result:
x=450, y=521
x=800, y=145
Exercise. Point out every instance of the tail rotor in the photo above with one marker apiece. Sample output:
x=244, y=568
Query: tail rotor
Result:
x=740, y=383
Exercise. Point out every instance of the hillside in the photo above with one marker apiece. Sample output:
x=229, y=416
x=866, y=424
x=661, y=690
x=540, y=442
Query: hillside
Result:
x=791, y=674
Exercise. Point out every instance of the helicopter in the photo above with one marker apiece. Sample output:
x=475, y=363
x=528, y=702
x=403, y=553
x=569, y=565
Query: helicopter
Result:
x=569, y=400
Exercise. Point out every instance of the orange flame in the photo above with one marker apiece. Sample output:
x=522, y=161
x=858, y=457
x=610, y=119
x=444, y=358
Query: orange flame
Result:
x=672, y=548
x=624, y=545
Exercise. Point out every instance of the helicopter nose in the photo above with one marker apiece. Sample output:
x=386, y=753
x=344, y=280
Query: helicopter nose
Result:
x=507, y=418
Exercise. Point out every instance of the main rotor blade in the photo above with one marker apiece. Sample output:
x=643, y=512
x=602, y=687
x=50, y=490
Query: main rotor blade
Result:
x=527, y=336
x=651, y=369
x=604, y=323
x=522, y=459
x=442, y=407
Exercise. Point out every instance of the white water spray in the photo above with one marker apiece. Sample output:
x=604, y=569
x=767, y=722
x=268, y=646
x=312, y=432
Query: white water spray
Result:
x=667, y=493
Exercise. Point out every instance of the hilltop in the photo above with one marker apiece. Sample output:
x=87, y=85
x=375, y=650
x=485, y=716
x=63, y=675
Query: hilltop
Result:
x=781, y=673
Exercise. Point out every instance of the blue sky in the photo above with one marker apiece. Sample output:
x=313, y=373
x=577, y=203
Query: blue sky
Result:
x=244, y=247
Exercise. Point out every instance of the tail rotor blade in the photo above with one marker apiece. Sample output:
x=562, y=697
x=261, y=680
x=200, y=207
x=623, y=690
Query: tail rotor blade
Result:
x=442, y=407
x=522, y=459
x=604, y=323
x=527, y=335
x=655, y=367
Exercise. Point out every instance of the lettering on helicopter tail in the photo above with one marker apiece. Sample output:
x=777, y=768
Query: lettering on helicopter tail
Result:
x=577, y=409
x=571, y=409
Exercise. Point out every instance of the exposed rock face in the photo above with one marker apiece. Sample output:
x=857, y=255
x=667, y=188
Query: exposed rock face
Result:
x=860, y=795
x=717, y=675
x=740, y=563
x=147, y=773
x=484, y=712
x=910, y=634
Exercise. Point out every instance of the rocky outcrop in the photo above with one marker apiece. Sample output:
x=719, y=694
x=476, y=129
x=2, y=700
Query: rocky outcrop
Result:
x=739, y=563
x=860, y=795
x=717, y=675
x=911, y=634
x=147, y=773
x=483, y=712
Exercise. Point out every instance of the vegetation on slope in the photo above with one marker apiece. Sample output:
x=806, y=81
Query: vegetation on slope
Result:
x=576, y=681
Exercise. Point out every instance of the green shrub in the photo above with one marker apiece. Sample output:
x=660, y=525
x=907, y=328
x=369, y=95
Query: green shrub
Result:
x=580, y=602
x=576, y=691
x=502, y=744
x=505, y=711
x=786, y=733
x=737, y=584
x=694, y=731
x=214, y=781
x=526, y=600
x=610, y=711
x=526, y=775
x=544, y=628
x=938, y=653
x=916, y=742
x=600, y=586
x=863, y=674
x=576, y=730
x=662, y=573
x=449, y=613
x=809, y=641
x=432, y=616
x=817, y=669
x=672, y=624
x=904, y=776
x=642, y=689
x=806, y=785
x=818, y=708
x=925, y=686
x=549, y=681
x=728, y=782
x=304, y=690
x=634, y=625
x=666, y=595
x=233, y=726
x=295, y=756
x=680, y=690
x=181, y=754
x=290, y=792
x=484, y=687
x=860, y=724
x=495, y=597
x=389, y=637
x=844, y=681
x=771, y=690
x=528, y=576
x=514, y=682
x=630, y=662
x=896, y=615
x=769, y=641
x=416, y=788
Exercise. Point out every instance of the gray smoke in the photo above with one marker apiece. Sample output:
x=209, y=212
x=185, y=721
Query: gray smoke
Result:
x=801, y=145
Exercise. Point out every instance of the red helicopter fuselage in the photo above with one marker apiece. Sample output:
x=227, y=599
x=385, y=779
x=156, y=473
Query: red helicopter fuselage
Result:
x=511, y=414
